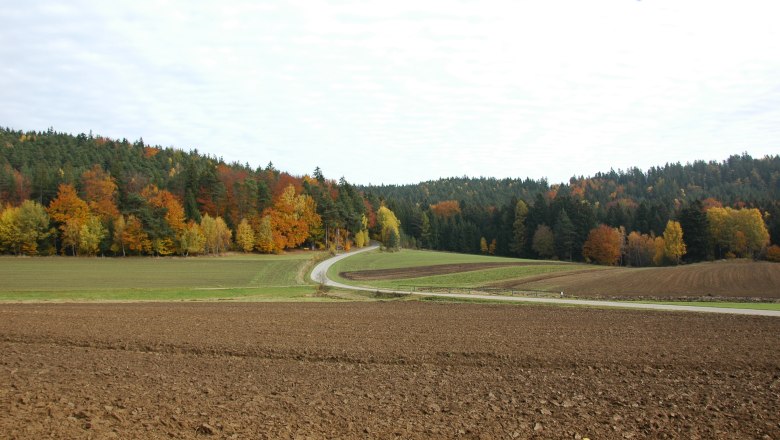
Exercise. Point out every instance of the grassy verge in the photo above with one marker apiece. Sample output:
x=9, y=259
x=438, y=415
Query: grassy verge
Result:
x=722, y=304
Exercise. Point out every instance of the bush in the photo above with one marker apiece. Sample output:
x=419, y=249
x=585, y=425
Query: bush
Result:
x=773, y=253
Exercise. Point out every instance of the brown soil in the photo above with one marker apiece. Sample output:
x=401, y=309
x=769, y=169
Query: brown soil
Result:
x=424, y=271
x=725, y=279
x=383, y=370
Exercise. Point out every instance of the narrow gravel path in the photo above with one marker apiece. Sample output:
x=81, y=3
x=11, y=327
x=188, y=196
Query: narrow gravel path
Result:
x=320, y=275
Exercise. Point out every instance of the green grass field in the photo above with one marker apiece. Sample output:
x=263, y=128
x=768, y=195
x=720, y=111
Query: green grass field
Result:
x=413, y=258
x=261, y=277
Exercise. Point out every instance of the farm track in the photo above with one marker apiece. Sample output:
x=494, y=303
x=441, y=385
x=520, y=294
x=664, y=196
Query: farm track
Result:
x=379, y=370
x=320, y=274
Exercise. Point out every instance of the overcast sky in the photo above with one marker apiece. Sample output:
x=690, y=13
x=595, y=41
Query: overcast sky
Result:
x=403, y=91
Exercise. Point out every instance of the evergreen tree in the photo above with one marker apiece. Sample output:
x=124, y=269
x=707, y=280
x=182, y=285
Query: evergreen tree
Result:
x=564, y=236
x=693, y=221
x=518, y=228
x=426, y=234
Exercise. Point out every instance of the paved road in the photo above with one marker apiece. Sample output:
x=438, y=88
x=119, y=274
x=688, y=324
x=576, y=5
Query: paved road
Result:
x=320, y=275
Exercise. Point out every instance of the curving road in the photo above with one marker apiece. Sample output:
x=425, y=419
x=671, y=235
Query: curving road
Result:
x=320, y=275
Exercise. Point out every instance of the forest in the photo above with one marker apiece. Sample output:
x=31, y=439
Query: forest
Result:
x=724, y=209
x=91, y=195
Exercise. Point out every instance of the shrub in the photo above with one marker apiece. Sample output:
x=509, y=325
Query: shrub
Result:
x=773, y=253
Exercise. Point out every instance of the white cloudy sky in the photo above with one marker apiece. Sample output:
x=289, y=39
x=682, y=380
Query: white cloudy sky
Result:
x=402, y=91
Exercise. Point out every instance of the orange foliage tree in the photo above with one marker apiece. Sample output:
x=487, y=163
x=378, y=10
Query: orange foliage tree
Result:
x=134, y=237
x=603, y=245
x=446, y=208
x=70, y=212
x=292, y=217
x=160, y=198
x=100, y=192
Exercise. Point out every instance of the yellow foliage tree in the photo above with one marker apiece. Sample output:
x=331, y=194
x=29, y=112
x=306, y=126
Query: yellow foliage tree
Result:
x=192, y=241
x=218, y=235
x=389, y=227
x=23, y=227
x=674, y=246
x=264, y=238
x=90, y=235
x=739, y=231
x=245, y=237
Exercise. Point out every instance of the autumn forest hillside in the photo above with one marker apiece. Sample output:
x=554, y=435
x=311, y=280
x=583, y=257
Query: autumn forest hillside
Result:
x=91, y=195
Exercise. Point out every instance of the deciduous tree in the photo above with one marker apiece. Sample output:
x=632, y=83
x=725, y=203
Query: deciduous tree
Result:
x=773, y=253
x=603, y=245
x=99, y=190
x=389, y=228
x=740, y=231
x=660, y=246
x=70, y=212
x=23, y=228
x=218, y=235
x=90, y=235
x=134, y=237
x=192, y=241
x=446, y=208
x=640, y=249
x=674, y=246
x=118, y=239
x=543, y=242
x=245, y=237
x=292, y=217
x=264, y=238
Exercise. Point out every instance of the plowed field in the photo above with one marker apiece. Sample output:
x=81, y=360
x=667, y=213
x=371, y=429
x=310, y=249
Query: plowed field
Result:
x=725, y=279
x=384, y=370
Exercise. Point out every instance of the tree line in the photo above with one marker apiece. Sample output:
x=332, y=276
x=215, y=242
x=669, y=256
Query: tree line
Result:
x=91, y=195
x=724, y=209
